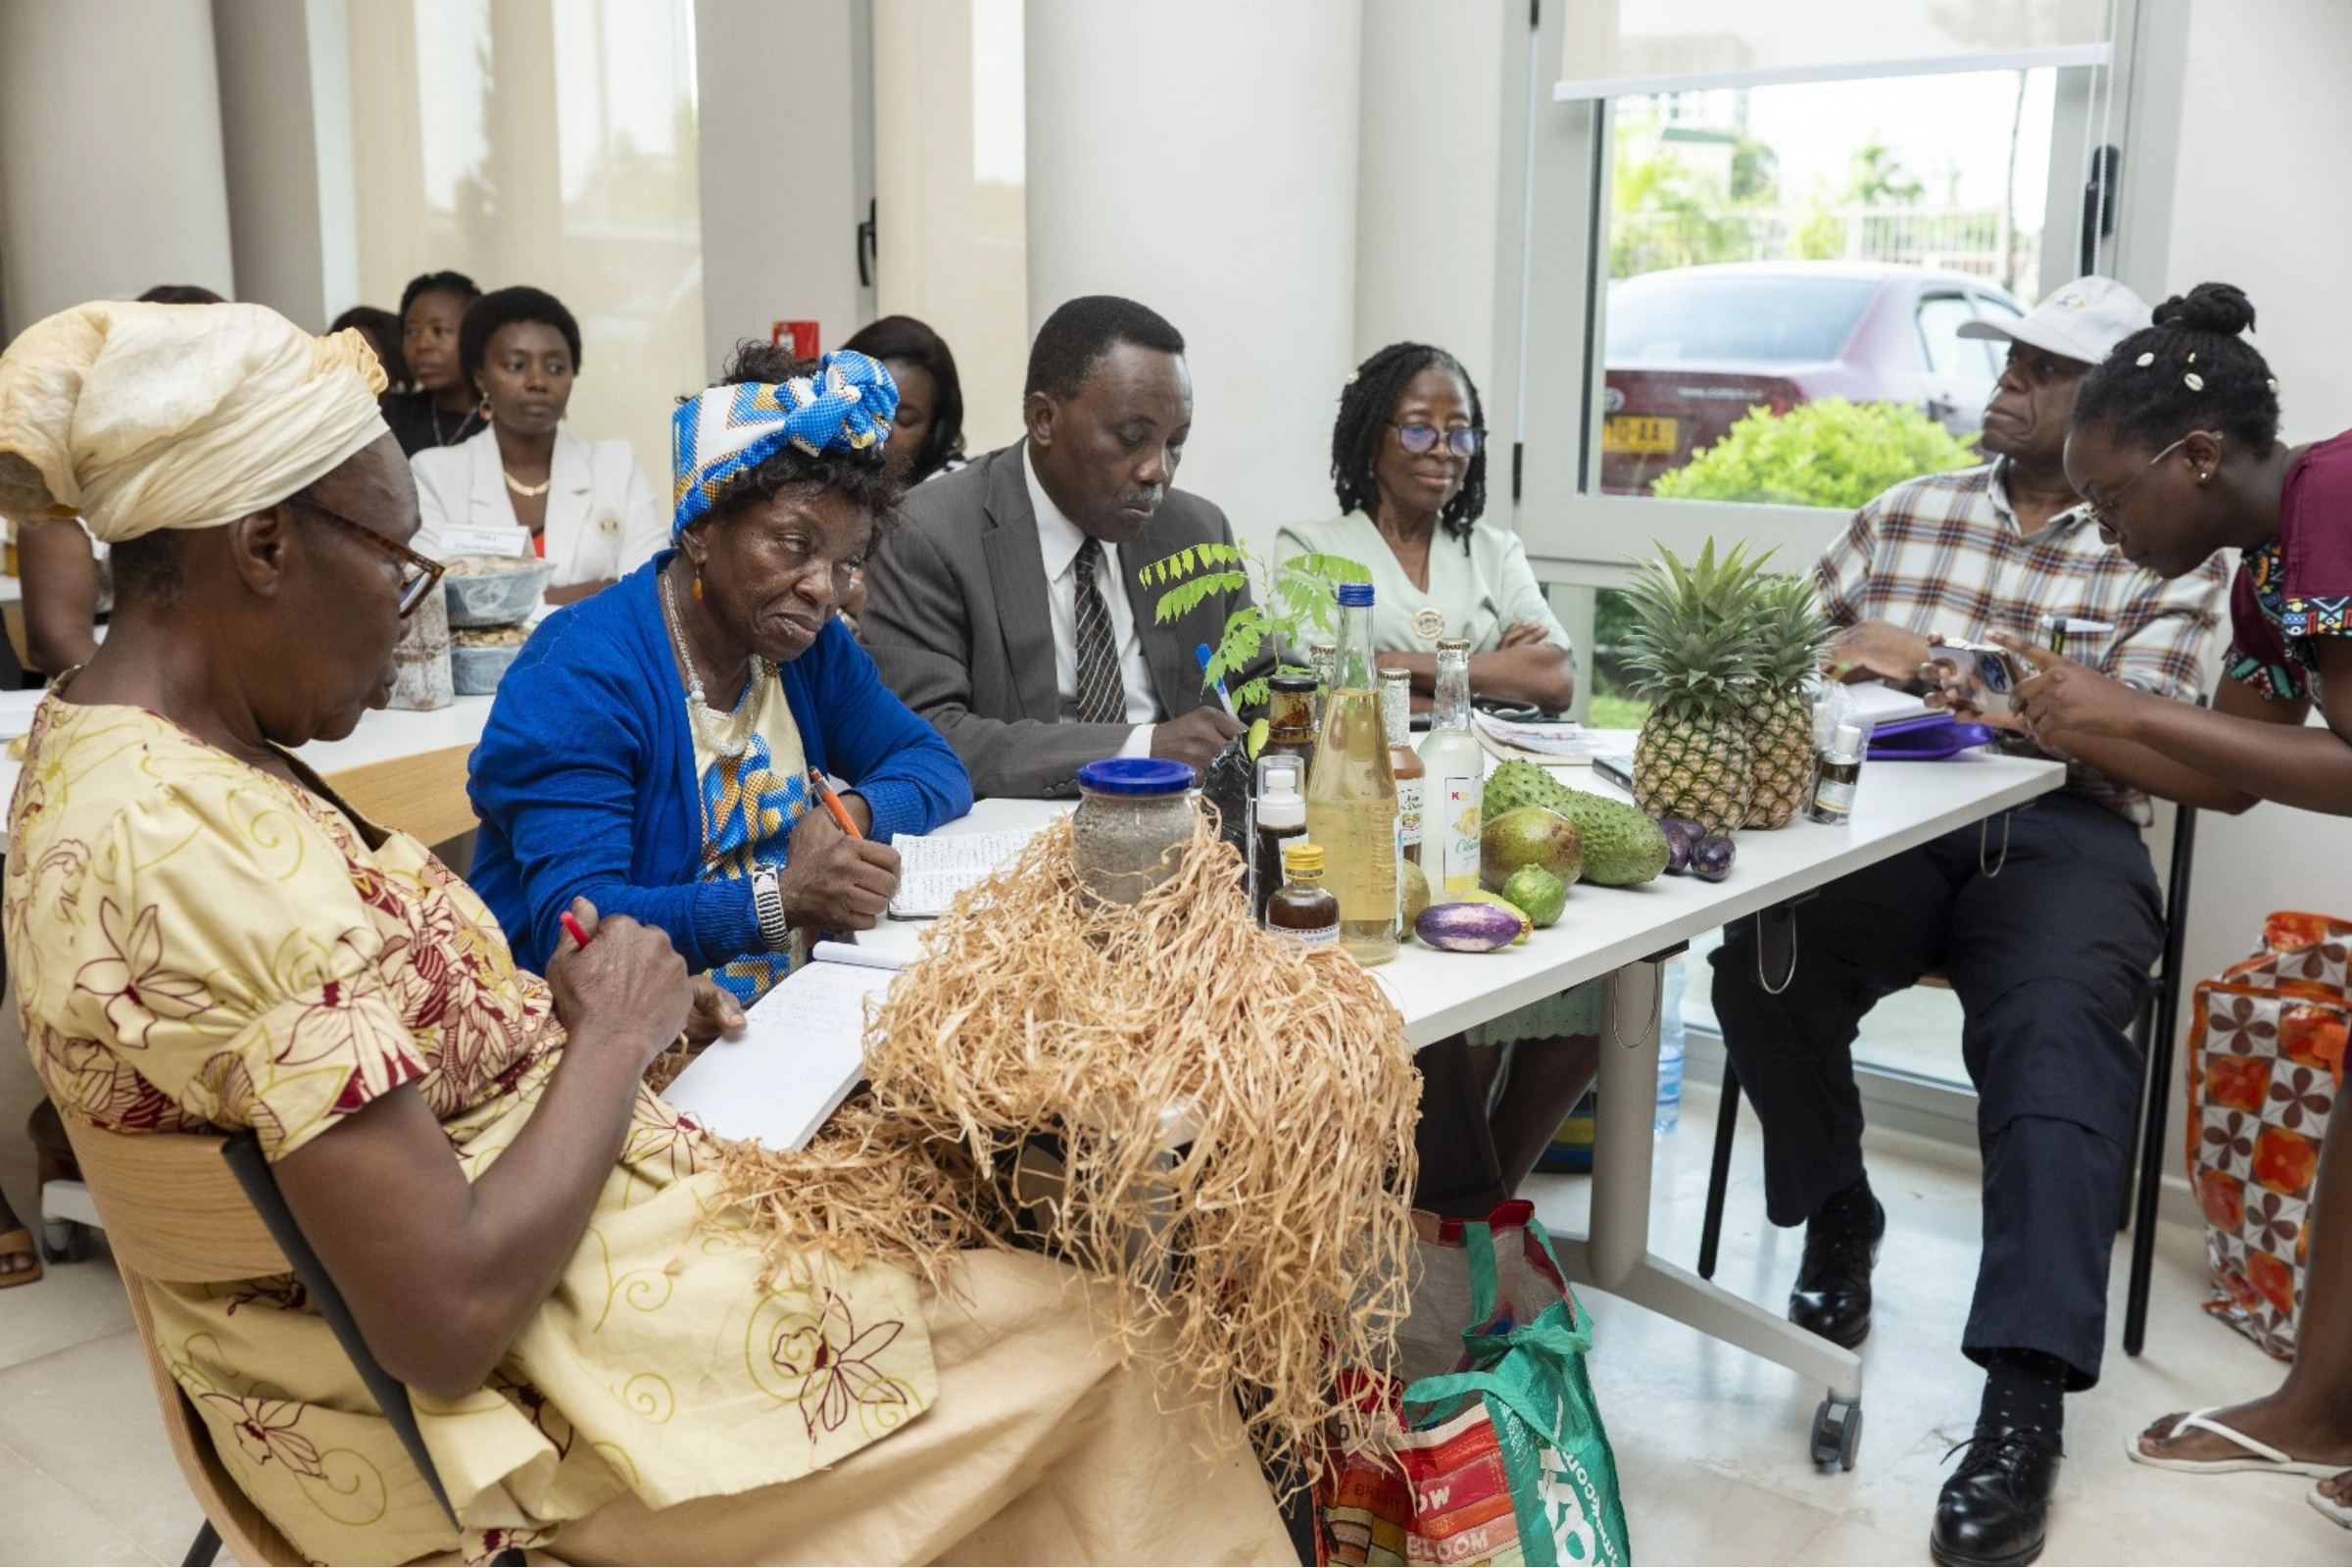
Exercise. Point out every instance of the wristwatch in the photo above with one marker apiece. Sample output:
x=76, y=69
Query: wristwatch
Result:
x=768, y=902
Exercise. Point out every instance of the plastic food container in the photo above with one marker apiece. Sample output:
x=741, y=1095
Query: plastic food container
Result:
x=479, y=660
x=1134, y=817
x=494, y=590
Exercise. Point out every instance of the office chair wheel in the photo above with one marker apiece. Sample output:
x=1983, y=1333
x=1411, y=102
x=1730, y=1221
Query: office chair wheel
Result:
x=64, y=1241
x=1837, y=1433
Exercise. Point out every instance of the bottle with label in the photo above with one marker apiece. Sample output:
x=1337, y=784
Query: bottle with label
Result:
x=1352, y=790
x=1303, y=909
x=1280, y=821
x=1453, y=779
x=1672, y=978
x=1837, y=771
x=1289, y=722
x=1397, y=713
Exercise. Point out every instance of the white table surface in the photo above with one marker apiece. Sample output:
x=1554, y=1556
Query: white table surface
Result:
x=382, y=736
x=1898, y=805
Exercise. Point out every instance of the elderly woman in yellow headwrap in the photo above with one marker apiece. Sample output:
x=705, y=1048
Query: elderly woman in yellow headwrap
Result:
x=208, y=940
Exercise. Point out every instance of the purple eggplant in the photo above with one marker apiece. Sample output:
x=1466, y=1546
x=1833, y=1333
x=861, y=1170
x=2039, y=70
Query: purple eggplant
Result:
x=1682, y=837
x=1469, y=927
x=1711, y=859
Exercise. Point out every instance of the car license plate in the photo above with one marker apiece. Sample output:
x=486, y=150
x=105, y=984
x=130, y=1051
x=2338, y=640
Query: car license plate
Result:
x=1638, y=432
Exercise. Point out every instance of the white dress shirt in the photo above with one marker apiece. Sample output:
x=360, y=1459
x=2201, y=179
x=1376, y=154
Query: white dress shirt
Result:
x=1060, y=540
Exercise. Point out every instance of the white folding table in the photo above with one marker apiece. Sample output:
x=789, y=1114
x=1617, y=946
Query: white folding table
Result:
x=1627, y=934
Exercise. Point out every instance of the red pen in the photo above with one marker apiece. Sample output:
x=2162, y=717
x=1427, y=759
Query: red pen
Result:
x=579, y=932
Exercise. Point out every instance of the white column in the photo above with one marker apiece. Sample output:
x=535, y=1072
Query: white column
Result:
x=111, y=174
x=1200, y=156
x=286, y=125
x=1427, y=176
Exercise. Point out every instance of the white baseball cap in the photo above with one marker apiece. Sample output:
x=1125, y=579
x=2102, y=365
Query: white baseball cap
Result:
x=2083, y=320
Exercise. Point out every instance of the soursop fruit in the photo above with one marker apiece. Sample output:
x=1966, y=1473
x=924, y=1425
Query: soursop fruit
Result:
x=1622, y=847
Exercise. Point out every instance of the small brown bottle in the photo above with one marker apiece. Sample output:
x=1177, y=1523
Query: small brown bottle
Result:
x=1304, y=910
x=1281, y=819
x=1290, y=721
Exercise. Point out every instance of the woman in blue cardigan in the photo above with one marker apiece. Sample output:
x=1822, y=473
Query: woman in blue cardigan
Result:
x=653, y=747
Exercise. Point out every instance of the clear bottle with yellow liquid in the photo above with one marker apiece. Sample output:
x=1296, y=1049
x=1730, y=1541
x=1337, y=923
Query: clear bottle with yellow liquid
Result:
x=1352, y=790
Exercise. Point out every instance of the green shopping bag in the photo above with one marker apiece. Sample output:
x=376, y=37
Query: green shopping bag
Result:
x=1500, y=1455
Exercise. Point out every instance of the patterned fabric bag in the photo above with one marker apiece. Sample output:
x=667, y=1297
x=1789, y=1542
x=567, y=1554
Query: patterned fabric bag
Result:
x=2267, y=1066
x=1500, y=1455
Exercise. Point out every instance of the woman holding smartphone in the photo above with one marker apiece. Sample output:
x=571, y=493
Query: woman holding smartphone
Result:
x=2175, y=445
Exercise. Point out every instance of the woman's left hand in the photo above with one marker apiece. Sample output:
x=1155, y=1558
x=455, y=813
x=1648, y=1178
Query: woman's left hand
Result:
x=1525, y=634
x=714, y=1013
x=2062, y=696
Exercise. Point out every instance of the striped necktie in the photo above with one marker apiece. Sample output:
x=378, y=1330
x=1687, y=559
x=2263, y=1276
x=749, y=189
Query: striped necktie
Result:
x=1101, y=695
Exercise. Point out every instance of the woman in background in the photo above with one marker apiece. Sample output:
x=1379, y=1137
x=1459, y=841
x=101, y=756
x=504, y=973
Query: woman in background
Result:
x=1409, y=464
x=438, y=410
x=926, y=440
x=522, y=486
x=381, y=328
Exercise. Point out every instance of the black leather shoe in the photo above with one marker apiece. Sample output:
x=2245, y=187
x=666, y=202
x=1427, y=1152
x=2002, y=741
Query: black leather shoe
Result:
x=1997, y=1507
x=1831, y=1297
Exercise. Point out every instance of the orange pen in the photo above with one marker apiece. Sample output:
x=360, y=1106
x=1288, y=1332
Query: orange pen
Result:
x=841, y=812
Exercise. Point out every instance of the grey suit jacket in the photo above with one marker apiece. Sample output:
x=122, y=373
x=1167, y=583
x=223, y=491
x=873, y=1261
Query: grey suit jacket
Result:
x=958, y=621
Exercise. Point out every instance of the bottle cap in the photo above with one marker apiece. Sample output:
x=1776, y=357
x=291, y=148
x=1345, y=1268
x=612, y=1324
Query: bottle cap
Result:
x=1136, y=775
x=1454, y=645
x=1279, y=802
x=1849, y=741
x=1355, y=596
x=1396, y=678
x=1319, y=649
x=1301, y=858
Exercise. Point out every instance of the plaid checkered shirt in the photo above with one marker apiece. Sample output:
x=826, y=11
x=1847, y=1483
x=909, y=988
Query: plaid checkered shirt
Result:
x=1943, y=553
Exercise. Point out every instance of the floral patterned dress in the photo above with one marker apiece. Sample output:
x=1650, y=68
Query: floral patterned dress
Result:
x=2296, y=589
x=201, y=946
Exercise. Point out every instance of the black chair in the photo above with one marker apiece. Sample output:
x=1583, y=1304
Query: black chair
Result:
x=2157, y=1031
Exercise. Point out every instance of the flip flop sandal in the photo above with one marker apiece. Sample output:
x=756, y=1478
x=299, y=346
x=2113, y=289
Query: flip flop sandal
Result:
x=2258, y=1456
x=19, y=1240
x=2340, y=1512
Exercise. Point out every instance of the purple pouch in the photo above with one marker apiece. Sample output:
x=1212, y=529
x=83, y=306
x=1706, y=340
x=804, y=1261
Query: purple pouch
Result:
x=1929, y=737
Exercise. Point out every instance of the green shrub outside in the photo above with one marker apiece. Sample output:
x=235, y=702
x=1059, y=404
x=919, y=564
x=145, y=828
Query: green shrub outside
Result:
x=1828, y=454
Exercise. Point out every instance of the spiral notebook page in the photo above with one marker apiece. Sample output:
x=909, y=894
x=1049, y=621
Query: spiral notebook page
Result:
x=933, y=869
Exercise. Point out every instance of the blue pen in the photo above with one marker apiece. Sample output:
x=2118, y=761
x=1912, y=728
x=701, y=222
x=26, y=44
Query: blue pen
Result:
x=1201, y=651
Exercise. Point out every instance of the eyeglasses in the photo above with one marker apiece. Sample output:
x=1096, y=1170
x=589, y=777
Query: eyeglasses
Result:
x=1417, y=438
x=418, y=573
x=2102, y=513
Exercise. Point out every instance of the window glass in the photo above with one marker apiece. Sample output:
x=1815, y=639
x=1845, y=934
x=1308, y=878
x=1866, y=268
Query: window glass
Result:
x=1940, y=318
x=1783, y=252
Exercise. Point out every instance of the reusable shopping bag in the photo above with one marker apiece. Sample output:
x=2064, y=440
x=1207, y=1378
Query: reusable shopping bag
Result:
x=2267, y=1067
x=1501, y=1457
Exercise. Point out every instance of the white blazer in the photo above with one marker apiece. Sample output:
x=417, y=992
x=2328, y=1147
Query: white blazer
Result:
x=601, y=518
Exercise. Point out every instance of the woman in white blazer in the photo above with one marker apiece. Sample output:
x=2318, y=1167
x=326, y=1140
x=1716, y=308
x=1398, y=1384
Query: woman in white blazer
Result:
x=522, y=486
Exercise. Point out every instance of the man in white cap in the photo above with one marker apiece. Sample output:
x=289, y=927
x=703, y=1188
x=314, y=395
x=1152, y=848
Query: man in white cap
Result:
x=2046, y=923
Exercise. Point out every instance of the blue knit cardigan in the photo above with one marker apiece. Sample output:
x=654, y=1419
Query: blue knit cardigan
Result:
x=585, y=784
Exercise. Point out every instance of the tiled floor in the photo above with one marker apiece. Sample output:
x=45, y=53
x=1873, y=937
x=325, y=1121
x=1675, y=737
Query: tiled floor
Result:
x=1710, y=1442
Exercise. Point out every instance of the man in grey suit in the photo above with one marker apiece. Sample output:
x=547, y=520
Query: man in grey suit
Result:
x=1006, y=607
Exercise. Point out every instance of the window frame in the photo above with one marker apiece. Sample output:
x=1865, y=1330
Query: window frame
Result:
x=1552, y=257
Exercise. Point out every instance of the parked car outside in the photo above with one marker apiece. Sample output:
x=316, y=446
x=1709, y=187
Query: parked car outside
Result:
x=1692, y=349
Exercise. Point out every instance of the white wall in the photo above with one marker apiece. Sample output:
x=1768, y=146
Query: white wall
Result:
x=285, y=129
x=111, y=174
x=1426, y=178
x=783, y=96
x=2263, y=131
x=1201, y=156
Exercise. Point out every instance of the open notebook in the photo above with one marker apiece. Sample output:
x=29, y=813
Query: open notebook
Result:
x=800, y=1052
x=936, y=866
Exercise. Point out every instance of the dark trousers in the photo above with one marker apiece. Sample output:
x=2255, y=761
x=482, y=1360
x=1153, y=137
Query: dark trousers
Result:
x=2050, y=960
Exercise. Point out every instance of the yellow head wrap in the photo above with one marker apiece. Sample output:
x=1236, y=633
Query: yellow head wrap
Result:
x=137, y=418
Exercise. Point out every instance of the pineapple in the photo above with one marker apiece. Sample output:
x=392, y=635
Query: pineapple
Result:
x=1779, y=713
x=1695, y=653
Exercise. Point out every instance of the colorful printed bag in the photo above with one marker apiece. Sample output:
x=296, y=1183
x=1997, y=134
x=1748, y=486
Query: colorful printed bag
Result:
x=1500, y=1455
x=2266, y=1068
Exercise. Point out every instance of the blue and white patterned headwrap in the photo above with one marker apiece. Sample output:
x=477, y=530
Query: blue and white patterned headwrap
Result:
x=723, y=431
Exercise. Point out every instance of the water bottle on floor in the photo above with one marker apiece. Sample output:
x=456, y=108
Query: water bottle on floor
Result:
x=1669, y=1047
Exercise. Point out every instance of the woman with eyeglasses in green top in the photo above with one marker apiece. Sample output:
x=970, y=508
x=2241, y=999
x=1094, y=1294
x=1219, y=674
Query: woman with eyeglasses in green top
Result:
x=1409, y=464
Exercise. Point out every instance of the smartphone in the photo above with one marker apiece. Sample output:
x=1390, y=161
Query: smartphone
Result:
x=1618, y=770
x=1997, y=669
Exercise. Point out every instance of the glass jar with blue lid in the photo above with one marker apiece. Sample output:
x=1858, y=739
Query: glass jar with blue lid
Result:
x=1135, y=817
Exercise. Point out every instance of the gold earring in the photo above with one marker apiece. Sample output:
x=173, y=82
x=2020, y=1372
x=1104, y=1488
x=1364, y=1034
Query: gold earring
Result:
x=483, y=408
x=698, y=585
